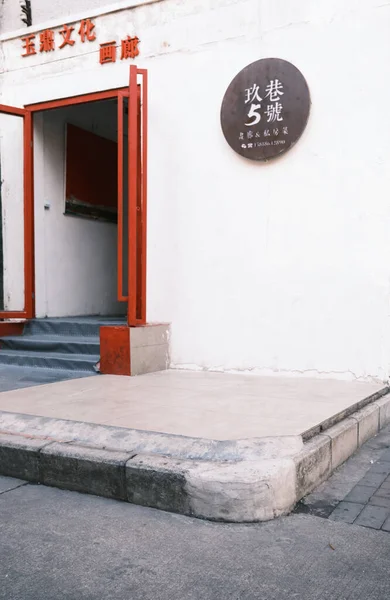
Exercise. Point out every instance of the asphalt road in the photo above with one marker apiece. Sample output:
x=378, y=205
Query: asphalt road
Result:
x=64, y=545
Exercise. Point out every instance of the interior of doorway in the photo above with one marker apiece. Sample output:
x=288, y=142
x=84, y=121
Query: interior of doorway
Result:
x=76, y=196
x=132, y=207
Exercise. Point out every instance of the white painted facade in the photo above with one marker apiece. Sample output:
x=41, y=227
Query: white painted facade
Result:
x=271, y=268
x=12, y=190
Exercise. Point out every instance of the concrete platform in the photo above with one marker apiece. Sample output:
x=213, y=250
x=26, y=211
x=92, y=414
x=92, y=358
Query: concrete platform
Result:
x=213, y=445
x=215, y=406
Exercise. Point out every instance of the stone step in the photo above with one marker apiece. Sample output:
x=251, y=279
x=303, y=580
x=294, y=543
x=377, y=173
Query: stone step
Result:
x=77, y=326
x=52, y=343
x=15, y=377
x=49, y=360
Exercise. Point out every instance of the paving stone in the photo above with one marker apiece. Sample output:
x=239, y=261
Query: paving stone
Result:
x=382, y=467
x=383, y=492
x=372, y=516
x=373, y=479
x=380, y=442
x=360, y=494
x=369, y=465
x=386, y=484
x=386, y=455
x=380, y=501
x=346, y=512
x=386, y=525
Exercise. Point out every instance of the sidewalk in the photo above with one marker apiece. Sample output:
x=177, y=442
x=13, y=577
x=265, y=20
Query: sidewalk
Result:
x=217, y=446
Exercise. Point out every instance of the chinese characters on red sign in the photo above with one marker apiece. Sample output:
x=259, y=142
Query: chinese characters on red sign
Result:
x=129, y=49
x=86, y=33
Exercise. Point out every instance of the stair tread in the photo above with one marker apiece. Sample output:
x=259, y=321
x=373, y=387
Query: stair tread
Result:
x=31, y=369
x=80, y=320
x=85, y=339
x=64, y=355
x=69, y=327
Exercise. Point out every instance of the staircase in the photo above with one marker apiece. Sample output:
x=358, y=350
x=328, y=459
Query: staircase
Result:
x=67, y=347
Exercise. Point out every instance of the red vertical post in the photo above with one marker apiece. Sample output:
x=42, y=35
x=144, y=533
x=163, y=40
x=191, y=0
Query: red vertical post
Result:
x=29, y=263
x=139, y=299
x=120, y=196
x=144, y=175
x=132, y=199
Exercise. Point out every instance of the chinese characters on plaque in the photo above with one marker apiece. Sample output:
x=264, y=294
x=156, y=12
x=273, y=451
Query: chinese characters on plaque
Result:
x=265, y=109
x=48, y=41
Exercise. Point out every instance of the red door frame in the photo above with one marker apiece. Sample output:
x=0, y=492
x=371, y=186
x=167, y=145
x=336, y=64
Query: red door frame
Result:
x=136, y=313
x=137, y=137
x=28, y=214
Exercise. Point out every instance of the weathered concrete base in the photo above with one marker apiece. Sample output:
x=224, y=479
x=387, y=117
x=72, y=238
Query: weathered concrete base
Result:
x=149, y=348
x=134, y=350
x=235, y=481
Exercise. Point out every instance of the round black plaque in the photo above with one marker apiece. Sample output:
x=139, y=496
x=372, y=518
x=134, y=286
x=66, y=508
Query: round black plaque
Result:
x=265, y=109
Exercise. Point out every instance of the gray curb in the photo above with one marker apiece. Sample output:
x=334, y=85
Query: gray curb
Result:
x=258, y=484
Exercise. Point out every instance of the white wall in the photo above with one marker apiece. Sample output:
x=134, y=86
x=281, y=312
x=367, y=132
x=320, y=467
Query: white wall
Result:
x=42, y=10
x=76, y=272
x=12, y=207
x=281, y=267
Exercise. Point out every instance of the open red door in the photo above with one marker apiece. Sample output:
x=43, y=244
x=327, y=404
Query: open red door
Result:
x=132, y=196
x=17, y=299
